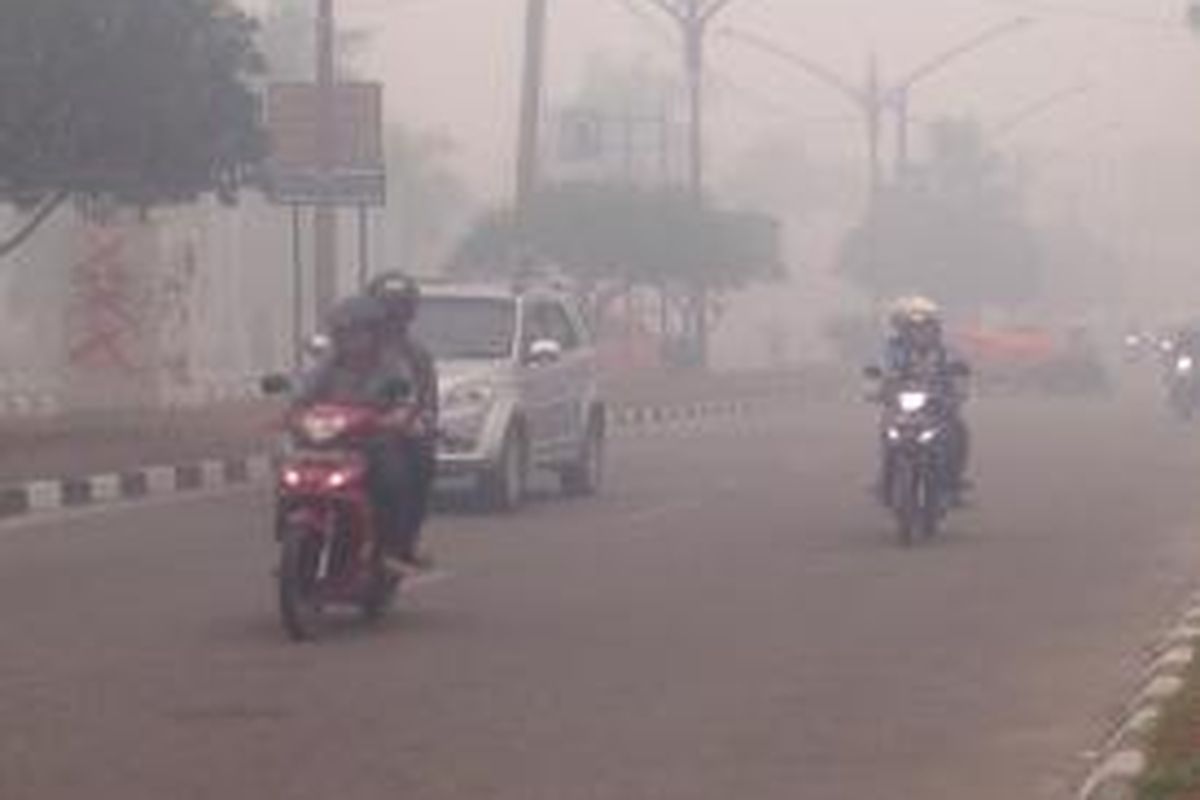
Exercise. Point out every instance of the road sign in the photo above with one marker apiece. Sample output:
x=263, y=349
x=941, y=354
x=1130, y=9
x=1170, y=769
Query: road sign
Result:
x=338, y=188
x=356, y=174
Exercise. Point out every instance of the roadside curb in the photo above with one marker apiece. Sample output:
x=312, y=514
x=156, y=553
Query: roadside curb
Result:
x=129, y=486
x=1122, y=758
x=153, y=481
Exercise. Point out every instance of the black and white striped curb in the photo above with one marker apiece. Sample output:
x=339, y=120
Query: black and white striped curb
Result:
x=1122, y=758
x=142, y=483
x=42, y=496
x=29, y=404
x=645, y=416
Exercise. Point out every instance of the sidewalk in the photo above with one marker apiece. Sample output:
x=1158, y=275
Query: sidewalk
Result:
x=72, y=444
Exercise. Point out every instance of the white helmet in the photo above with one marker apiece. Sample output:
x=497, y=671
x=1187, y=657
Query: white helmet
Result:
x=913, y=309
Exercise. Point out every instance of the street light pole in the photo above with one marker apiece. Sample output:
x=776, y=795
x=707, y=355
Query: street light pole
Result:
x=531, y=109
x=868, y=98
x=693, y=18
x=872, y=103
x=325, y=223
x=1038, y=108
x=694, y=30
x=901, y=92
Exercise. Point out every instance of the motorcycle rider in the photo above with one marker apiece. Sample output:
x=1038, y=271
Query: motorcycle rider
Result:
x=359, y=371
x=400, y=297
x=916, y=350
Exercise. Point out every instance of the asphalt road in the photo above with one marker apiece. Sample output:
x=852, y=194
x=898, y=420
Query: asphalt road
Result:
x=732, y=618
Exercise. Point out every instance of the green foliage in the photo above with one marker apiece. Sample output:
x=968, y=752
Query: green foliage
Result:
x=619, y=232
x=952, y=228
x=137, y=102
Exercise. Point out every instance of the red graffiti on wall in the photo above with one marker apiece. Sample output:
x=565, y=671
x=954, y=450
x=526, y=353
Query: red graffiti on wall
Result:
x=104, y=316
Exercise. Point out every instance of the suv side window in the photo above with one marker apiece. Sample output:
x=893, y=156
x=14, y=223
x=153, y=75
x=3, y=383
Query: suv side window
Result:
x=535, y=326
x=562, y=329
x=548, y=320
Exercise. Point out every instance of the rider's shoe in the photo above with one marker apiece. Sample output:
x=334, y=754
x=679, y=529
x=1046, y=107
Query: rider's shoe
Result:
x=408, y=565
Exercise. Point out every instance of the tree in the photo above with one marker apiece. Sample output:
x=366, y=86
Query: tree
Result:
x=124, y=102
x=612, y=238
x=599, y=231
x=952, y=227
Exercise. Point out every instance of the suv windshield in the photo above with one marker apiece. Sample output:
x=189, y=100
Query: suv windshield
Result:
x=467, y=327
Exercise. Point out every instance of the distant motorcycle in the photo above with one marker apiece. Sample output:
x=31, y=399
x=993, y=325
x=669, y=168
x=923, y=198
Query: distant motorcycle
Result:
x=1183, y=385
x=918, y=456
x=330, y=548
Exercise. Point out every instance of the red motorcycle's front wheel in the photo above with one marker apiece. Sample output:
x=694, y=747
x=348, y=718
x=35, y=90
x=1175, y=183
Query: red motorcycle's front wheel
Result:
x=299, y=563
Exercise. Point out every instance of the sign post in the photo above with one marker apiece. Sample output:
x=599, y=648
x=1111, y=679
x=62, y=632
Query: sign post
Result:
x=300, y=174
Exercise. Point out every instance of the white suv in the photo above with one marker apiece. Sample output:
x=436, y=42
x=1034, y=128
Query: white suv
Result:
x=518, y=387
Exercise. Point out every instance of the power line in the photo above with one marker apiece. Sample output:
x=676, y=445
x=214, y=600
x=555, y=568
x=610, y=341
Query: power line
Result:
x=1079, y=11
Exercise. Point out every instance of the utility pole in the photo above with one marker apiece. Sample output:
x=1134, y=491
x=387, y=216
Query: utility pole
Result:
x=872, y=104
x=693, y=18
x=325, y=222
x=528, y=145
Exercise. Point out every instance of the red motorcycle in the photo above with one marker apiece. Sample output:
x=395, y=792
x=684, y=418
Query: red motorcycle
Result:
x=331, y=553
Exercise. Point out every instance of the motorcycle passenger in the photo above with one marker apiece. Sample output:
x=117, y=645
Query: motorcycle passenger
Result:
x=916, y=351
x=1187, y=342
x=400, y=296
x=358, y=371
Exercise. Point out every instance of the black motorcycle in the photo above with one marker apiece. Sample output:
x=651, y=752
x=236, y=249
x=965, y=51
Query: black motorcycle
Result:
x=919, y=454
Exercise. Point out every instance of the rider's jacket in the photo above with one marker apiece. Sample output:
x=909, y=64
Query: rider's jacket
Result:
x=335, y=380
x=408, y=357
x=931, y=366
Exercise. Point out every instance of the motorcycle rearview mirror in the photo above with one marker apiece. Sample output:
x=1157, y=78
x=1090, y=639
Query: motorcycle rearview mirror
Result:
x=873, y=373
x=272, y=385
x=318, y=345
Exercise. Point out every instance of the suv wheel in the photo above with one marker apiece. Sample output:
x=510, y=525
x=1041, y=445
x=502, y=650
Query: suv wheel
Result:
x=585, y=476
x=503, y=488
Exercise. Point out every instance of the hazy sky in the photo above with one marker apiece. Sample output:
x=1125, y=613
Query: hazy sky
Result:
x=453, y=66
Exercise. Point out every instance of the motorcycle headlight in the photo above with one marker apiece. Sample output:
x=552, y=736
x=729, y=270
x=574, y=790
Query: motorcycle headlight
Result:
x=1185, y=365
x=469, y=397
x=927, y=436
x=322, y=428
x=893, y=434
x=912, y=402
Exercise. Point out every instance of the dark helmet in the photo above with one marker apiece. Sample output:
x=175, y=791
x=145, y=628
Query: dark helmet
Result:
x=398, y=293
x=357, y=313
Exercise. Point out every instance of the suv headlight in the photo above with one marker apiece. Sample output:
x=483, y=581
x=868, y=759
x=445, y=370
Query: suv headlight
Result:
x=469, y=397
